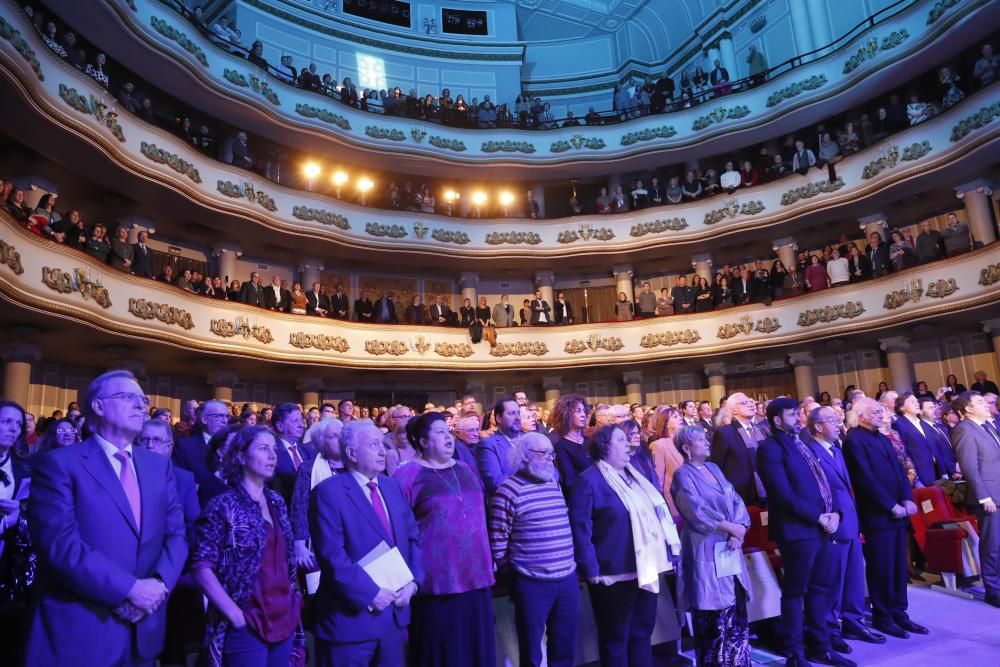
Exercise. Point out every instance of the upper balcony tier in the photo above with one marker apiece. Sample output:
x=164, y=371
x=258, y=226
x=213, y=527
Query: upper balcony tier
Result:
x=943, y=151
x=53, y=281
x=163, y=47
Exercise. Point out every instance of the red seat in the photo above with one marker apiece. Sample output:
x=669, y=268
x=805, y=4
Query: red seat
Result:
x=941, y=546
x=758, y=539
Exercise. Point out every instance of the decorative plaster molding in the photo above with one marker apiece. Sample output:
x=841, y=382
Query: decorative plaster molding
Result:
x=304, y=341
x=148, y=310
x=827, y=314
x=872, y=47
x=170, y=32
x=594, y=342
x=395, y=348
x=241, y=327
x=78, y=281
x=810, y=191
x=519, y=349
x=13, y=35
x=11, y=258
x=513, y=238
x=669, y=338
x=788, y=92
x=322, y=216
x=586, y=232
x=658, y=226
x=162, y=156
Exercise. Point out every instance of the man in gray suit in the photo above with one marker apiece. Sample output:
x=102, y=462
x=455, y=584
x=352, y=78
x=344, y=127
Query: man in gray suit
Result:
x=977, y=445
x=503, y=313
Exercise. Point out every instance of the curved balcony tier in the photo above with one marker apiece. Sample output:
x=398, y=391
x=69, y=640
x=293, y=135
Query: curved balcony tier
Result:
x=163, y=48
x=49, y=278
x=951, y=145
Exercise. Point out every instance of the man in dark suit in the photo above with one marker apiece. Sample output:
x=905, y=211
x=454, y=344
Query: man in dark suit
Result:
x=984, y=386
x=252, y=292
x=340, y=305
x=158, y=437
x=440, y=314
x=705, y=420
x=317, y=303
x=760, y=284
x=803, y=517
x=541, y=311
x=274, y=295
x=917, y=439
x=364, y=309
x=563, y=309
x=885, y=501
x=109, y=531
x=977, y=444
x=385, y=309
x=191, y=453
x=142, y=257
x=734, y=449
x=683, y=297
x=878, y=255
x=357, y=622
x=289, y=426
x=742, y=288
x=845, y=619
x=930, y=415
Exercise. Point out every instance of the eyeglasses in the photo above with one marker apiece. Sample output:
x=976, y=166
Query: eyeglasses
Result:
x=155, y=442
x=129, y=396
x=215, y=415
x=545, y=454
x=66, y=431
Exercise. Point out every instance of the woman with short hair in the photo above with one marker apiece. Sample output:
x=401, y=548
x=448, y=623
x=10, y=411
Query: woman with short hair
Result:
x=324, y=436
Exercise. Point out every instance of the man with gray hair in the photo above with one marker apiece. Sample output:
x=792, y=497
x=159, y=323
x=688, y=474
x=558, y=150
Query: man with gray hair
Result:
x=531, y=539
x=157, y=436
x=109, y=532
x=734, y=448
x=191, y=453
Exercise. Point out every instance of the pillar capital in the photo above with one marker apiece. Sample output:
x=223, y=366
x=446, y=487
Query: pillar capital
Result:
x=982, y=186
x=551, y=382
x=471, y=279
x=701, y=258
x=222, y=379
x=632, y=377
x=784, y=242
x=715, y=370
x=307, y=264
x=992, y=326
x=879, y=219
x=622, y=269
x=221, y=249
x=894, y=344
x=545, y=278
x=23, y=352
x=797, y=359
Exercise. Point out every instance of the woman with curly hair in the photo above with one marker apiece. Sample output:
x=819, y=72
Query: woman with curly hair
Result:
x=569, y=419
x=666, y=421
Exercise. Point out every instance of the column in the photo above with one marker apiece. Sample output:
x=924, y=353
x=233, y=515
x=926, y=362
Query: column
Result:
x=801, y=29
x=716, y=383
x=477, y=388
x=876, y=222
x=553, y=390
x=805, y=378
x=538, y=190
x=900, y=372
x=225, y=258
x=17, y=371
x=712, y=54
x=469, y=280
x=544, y=280
x=727, y=53
x=623, y=281
x=633, y=386
x=819, y=20
x=222, y=385
x=310, y=388
x=702, y=265
x=992, y=327
x=310, y=270
x=786, y=248
x=976, y=197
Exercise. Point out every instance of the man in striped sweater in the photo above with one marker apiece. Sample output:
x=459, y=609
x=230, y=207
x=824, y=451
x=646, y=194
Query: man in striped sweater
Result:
x=532, y=542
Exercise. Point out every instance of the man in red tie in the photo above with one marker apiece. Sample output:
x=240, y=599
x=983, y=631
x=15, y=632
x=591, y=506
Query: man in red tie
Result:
x=109, y=531
x=289, y=425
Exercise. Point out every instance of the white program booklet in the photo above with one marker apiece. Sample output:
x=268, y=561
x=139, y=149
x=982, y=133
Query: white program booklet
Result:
x=386, y=567
x=727, y=561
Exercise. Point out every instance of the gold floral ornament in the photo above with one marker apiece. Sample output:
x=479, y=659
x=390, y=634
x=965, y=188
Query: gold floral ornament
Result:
x=513, y=238
x=507, y=147
x=176, y=163
x=321, y=216
x=456, y=145
x=989, y=275
x=870, y=49
x=391, y=231
x=586, y=232
x=395, y=348
x=670, y=338
x=93, y=107
x=443, y=235
x=939, y=289
x=797, y=88
x=577, y=141
x=11, y=258
x=13, y=35
x=826, y=314
x=421, y=345
x=324, y=115
x=983, y=117
x=259, y=197
x=811, y=190
x=304, y=341
x=78, y=281
x=916, y=150
x=720, y=114
x=519, y=349
x=594, y=342
x=733, y=209
x=260, y=87
x=658, y=226
x=463, y=350
x=376, y=132
x=241, y=327
x=170, y=32
x=939, y=9
x=148, y=310
x=745, y=325
x=650, y=133
x=911, y=291
x=887, y=160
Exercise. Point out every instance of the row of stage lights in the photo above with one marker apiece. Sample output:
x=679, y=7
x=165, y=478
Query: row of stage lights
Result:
x=339, y=178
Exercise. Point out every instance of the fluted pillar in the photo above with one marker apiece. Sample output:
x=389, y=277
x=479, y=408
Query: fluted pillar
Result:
x=226, y=255
x=544, y=280
x=310, y=270
x=17, y=371
x=819, y=21
x=992, y=327
x=805, y=376
x=786, y=248
x=623, y=281
x=727, y=53
x=633, y=386
x=900, y=370
x=801, y=28
x=222, y=385
x=716, y=383
x=470, y=283
x=702, y=265
x=871, y=224
x=553, y=390
x=976, y=197
x=310, y=388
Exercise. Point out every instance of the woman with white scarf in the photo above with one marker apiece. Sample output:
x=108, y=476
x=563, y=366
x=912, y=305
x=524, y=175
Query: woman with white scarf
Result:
x=324, y=435
x=624, y=540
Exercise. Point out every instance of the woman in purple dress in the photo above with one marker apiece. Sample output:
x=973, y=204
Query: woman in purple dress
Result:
x=452, y=621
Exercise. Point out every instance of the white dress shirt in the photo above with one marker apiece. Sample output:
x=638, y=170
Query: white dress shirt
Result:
x=110, y=450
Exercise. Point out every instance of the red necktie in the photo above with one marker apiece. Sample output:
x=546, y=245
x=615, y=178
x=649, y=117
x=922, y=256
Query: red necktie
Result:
x=131, y=487
x=379, y=508
x=296, y=459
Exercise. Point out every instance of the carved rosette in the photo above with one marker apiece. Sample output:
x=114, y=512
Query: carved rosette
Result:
x=989, y=275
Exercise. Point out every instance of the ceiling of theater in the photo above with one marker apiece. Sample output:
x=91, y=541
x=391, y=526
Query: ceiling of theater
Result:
x=548, y=20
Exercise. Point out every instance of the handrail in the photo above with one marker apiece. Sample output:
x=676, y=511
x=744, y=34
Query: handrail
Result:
x=608, y=117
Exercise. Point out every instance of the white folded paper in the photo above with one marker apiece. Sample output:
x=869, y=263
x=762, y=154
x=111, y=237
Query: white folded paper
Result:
x=727, y=561
x=386, y=567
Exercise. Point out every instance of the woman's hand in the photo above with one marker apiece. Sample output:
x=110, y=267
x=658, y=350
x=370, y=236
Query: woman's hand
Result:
x=304, y=558
x=236, y=618
x=734, y=544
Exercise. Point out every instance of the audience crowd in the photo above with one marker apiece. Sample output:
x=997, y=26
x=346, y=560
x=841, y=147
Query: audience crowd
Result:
x=276, y=515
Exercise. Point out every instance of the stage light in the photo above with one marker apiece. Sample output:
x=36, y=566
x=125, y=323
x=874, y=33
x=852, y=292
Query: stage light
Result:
x=311, y=170
x=365, y=184
x=479, y=198
x=506, y=198
x=339, y=178
x=450, y=196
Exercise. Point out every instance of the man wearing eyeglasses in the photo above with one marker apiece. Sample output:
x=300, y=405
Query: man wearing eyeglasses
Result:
x=157, y=436
x=191, y=453
x=109, y=531
x=734, y=449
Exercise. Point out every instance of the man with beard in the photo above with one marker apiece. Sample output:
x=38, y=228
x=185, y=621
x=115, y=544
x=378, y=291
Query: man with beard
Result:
x=531, y=539
x=493, y=457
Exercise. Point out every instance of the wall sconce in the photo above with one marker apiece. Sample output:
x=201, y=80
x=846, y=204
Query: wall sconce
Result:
x=430, y=26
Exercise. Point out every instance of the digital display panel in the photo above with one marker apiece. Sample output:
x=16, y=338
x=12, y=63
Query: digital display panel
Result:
x=462, y=22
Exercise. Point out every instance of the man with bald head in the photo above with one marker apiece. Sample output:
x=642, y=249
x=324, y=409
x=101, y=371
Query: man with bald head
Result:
x=734, y=449
x=885, y=503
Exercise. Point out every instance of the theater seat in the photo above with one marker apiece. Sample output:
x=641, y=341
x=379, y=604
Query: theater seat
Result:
x=938, y=534
x=757, y=538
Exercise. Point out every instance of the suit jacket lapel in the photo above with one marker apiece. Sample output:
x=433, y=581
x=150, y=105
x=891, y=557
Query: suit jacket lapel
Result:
x=144, y=473
x=97, y=464
x=364, y=504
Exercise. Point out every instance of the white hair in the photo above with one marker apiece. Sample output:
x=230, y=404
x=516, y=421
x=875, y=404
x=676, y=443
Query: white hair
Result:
x=319, y=428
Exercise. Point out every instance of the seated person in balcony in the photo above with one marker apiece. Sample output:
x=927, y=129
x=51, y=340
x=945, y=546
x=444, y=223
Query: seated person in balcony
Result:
x=592, y=117
x=570, y=121
x=720, y=80
x=748, y=175
x=546, y=121
x=503, y=313
x=184, y=281
x=640, y=196
x=218, y=289
x=286, y=71
x=603, y=202
x=427, y=201
x=956, y=237
x=241, y=152
x=440, y=313
x=233, y=291
x=96, y=71
x=711, y=182
x=692, y=187
x=929, y=243
x=121, y=251
x=987, y=68
x=803, y=159
x=487, y=114
x=674, y=193
x=778, y=167
x=918, y=112
x=49, y=218
x=700, y=81
x=348, y=93
x=222, y=34
x=167, y=275
x=901, y=252
x=75, y=55
x=385, y=309
x=829, y=155
x=309, y=79
x=364, y=309
x=97, y=245
x=17, y=207
x=730, y=180
x=129, y=99
x=51, y=40
x=683, y=297
x=619, y=202
x=952, y=93
x=655, y=192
